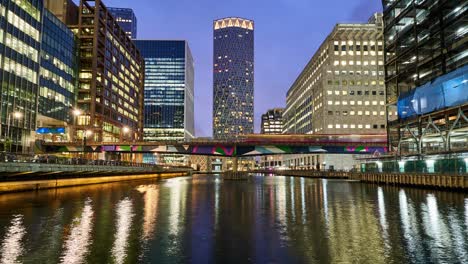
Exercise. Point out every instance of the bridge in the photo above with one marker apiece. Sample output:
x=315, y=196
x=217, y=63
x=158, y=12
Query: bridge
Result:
x=245, y=146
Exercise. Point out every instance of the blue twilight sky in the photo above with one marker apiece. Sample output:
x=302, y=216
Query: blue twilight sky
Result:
x=287, y=33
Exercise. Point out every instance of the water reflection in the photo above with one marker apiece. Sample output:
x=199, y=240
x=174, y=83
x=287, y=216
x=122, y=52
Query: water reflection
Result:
x=124, y=222
x=208, y=220
x=150, y=199
x=383, y=218
x=12, y=246
x=77, y=244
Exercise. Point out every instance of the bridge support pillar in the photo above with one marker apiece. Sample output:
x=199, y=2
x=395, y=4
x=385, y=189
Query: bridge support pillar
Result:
x=234, y=164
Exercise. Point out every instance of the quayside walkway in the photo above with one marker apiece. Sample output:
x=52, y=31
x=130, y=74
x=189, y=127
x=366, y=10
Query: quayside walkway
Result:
x=428, y=180
x=16, y=177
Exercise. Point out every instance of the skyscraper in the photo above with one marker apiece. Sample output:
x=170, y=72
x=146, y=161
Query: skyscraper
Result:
x=57, y=79
x=340, y=91
x=233, y=77
x=20, y=42
x=169, y=89
x=111, y=77
x=126, y=19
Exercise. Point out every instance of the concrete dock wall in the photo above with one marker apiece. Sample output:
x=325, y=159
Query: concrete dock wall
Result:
x=445, y=181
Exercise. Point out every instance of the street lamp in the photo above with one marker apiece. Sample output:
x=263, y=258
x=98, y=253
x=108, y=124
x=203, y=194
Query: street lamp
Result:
x=16, y=115
x=86, y=133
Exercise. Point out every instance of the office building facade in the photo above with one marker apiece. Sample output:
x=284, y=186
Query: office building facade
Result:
x=427, y=76
x=126, y=19
x=272, y=124
x=20, y=42
x=340, y=91
x=233, y=77
x=272, y=121
x=169, y=90
x=57, y=79
x=110, y=78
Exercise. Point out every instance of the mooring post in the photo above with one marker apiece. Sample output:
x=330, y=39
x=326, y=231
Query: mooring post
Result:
x=234, y=164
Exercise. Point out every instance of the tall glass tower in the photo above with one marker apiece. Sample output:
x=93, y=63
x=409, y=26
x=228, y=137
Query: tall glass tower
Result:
x=169, y=89
x=126, y=19
x=20, y=43
x=233, y=77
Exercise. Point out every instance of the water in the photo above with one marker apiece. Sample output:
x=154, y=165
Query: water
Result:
x=207, y=220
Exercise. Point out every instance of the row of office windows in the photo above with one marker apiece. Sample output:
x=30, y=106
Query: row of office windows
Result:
x=358, y=126
x=344, y=102
x=336, y=92
x=355, y=82
x=352, y=113
x=358, y=63
x=358, y=73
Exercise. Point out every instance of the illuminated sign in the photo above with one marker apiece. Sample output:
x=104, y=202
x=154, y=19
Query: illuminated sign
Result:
x=50, y=130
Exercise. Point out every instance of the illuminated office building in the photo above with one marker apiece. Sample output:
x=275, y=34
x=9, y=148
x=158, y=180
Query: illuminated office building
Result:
x=110, y=79
x=57, y=79
x=340, y=91
x=126, y=19
x=169, y=90
x=20, y=42
x=233, y=77
x=272, y=121
x=272, y=124
x=426, y=47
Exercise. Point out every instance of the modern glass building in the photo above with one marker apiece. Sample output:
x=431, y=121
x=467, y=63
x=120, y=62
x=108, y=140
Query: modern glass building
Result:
x=233, y=77
x=20, y=32
x=169, y=89
x=57, y=79
x=426, y=77
x=126, y=19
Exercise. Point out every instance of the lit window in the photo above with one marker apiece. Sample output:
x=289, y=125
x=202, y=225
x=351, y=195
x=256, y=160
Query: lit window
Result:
x=382, y=113
x=367, y=112
x=345, y=102
x=382, y=103
x=352, y=113
x=345, y=126
x=374, y=113
x=351, y=102
x=345, y=92
x=367, y=126
x=352, y=126
x=330, y=126
x=329, y=92
x=330, y=102
x=374, y=102
x=359, y=102
x=337, y=102
x=366, y=103
x=338, y=126
x=359, y=126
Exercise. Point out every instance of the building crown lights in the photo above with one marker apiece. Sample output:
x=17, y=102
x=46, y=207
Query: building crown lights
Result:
x=233, y=22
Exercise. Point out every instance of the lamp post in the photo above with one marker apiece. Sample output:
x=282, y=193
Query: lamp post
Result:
x=76, y=113
x=16, y=115
x=86, y=133
x=126, y=130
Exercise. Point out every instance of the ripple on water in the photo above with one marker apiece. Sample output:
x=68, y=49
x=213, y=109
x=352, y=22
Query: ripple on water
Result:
x=77, y=244
x=12, y=246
